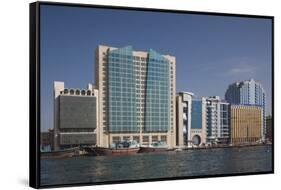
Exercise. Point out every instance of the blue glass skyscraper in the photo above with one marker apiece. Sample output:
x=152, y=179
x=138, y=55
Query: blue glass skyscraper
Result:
x=136, y=96
x=248, y=92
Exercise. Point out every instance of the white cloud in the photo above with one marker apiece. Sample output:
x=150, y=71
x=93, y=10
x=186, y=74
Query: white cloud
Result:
x=242, y=69
x=239, y=67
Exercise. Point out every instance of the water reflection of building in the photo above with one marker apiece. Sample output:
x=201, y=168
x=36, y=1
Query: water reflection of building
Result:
x=75, y=116
x=246, y=122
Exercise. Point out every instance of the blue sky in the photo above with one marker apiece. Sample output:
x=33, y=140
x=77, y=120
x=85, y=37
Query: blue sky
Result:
x=211, y=51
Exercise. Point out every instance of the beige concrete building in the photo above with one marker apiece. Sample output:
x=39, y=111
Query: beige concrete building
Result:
x=75, y=116
x=183, y=120
x=136, y=95
x=191, y=120
x=246, y=124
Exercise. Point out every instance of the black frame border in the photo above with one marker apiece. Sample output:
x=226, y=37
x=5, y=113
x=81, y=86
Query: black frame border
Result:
x=34, y=91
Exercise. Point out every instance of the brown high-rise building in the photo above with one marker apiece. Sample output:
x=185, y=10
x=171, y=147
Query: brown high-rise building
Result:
x=246, y=124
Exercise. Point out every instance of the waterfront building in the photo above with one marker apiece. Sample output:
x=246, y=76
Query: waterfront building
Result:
x=269, y=128
x=197, y=136
x=47, y=140
x=75, y=116
x=201, y=120
x=136, y=95
x=217, y=120
x=183, y=121
x=246, y=122
x=248, y=92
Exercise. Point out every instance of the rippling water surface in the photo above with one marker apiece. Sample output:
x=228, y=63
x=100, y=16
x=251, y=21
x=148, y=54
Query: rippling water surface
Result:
x=56, y=171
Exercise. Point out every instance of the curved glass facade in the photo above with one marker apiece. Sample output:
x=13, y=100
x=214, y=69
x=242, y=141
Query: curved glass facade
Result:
x=157, y=104
x=138, y=91
x=121, y=91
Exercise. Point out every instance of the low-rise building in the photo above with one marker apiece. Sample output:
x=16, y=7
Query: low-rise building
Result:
x=75, y=116
x=47, y=140
x=269, y=128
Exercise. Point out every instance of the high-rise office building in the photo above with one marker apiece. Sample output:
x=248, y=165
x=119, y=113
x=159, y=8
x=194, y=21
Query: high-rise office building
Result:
x=245, y=124
x=217, y=117
x=248, y=92
x=136, y=95
x=75, y=116
x=183, y=121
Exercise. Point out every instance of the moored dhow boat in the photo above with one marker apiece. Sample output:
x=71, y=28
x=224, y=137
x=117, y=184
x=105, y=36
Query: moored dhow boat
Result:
x=119, y=148
x=64, y=153
x=158, y=146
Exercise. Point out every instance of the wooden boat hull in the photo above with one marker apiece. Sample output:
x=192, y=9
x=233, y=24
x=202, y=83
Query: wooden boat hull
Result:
x=100, y=151
x=60, y=154
x=152, y=149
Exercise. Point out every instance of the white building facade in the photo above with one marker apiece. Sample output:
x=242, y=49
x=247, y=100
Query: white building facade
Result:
x=183, y=123
x=217, y=121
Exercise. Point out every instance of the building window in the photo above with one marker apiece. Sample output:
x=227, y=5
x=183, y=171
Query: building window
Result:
x=116, y=139
x=77, y=92
x=136, y=138
x=126, y=138
x=164, y=138
x=154, y=138
x=145, y=139
x=72, y=92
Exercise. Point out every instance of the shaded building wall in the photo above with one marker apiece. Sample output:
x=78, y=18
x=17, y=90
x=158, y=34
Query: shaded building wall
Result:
x=75, y=116
x=183, y=121
x=269, y=128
